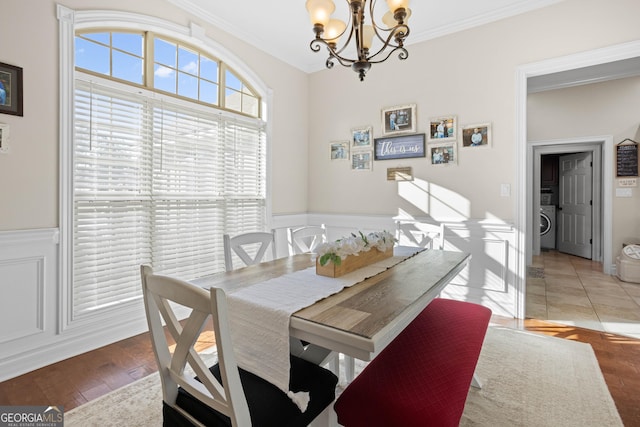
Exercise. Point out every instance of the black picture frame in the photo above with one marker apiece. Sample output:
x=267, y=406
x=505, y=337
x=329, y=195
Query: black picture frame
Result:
x=10, y=89
x=399, y=147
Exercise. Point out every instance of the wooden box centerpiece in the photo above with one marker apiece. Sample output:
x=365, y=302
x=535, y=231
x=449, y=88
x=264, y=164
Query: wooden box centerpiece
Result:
x=352, y=263
x=349, y=254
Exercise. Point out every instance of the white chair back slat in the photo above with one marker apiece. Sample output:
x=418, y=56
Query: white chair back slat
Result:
x=306, y=239
x=161, y=294
x=259, y=242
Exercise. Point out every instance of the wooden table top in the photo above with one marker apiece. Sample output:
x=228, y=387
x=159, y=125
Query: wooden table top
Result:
x=362, y=319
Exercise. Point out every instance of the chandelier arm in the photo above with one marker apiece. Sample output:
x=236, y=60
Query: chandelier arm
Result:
x=341, y=59
x=317, y=44
x=387, y=44
x=402, y=54
x=346, y=43
x=398, y=33
x=375, y=26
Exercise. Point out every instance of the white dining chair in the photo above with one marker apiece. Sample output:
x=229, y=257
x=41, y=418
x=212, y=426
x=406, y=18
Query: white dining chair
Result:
x=223, y=394
x=251, y=247
x=420, y=234
x=306, y=239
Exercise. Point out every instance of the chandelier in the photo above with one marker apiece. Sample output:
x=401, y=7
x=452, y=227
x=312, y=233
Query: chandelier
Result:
x=328, y=32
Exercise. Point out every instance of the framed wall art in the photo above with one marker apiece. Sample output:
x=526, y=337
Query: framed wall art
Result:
x=10, y=89
x=361, y=161
x=361, y=138
x=443, y=154
x=401, y=119
x=339, y=150
x=443, y=129
x=627, y=158
x=476, y=135
x=399, y=147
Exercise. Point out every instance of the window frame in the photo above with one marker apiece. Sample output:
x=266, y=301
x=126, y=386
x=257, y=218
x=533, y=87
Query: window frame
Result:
x=149, y=61
x=71, y=21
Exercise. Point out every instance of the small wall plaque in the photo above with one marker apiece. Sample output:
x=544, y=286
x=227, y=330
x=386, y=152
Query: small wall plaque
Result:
x=628, y=182
x=399, y=174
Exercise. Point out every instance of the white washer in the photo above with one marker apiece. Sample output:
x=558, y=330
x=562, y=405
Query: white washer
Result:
x=548, y=226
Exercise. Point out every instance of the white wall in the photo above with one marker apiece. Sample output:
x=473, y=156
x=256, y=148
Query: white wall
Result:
x=470, y=74
x=609, y=108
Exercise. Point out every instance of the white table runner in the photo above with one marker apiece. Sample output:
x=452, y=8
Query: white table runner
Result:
x=260, y=314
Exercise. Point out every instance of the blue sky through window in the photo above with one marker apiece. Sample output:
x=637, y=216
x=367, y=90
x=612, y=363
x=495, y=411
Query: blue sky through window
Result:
x=176, y=69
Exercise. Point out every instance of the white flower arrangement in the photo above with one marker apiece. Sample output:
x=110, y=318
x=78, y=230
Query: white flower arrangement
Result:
x=353, y=245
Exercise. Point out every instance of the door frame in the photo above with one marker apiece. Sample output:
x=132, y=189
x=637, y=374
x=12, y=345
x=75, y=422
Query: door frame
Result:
x=523, y=184
x=601, y=148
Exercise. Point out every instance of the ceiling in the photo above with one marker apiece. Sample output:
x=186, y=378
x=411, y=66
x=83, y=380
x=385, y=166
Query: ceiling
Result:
x=284, y=31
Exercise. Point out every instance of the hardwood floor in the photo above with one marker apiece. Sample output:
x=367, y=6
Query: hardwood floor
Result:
x=80, y=379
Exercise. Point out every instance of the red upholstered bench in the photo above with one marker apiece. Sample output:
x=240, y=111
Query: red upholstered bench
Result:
x=422, y=377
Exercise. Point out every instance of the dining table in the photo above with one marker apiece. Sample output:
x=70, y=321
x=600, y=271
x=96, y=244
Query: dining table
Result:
x=360, y=320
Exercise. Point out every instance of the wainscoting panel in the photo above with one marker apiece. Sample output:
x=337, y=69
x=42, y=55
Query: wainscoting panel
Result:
x=28, y=283
x=22, y=304
x=31, y=309
x=489, y=279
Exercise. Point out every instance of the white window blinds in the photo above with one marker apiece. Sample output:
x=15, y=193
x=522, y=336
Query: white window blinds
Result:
x=157, y=182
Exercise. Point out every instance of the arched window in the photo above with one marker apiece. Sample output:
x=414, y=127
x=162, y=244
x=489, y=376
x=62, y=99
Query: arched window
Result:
x=164, y=65
x=167, y=153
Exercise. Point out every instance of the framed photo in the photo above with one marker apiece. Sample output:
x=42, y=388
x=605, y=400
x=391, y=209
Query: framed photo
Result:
x=339, y=150
x=443, y=129
x=476, y=135
x=443, y=154
x=4, y=138
x=361, y=161
x=399, y=147
x=10, y=89
x=400, y=119
x=361, y=137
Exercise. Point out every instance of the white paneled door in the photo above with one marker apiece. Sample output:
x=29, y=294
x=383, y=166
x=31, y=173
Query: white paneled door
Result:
x=575, y=207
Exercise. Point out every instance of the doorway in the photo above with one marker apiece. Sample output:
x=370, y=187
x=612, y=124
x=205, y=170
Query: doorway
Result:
x=527, y=240
x=578, y=219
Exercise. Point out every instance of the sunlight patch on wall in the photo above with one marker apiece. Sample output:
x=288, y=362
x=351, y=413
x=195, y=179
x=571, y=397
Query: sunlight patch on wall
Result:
x=438, y=202
x=494, y=219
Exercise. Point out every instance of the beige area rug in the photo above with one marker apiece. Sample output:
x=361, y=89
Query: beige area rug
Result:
x=528, y=380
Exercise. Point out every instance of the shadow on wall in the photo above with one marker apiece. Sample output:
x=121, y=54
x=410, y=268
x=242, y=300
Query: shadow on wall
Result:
x=435, y=200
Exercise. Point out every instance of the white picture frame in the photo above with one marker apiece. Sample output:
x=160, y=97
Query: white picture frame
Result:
x=339, y=150
x=470, y=139
x=362, y=161
x=362, y=138
x=443, y=154
x=399, y=120
x=443, y=129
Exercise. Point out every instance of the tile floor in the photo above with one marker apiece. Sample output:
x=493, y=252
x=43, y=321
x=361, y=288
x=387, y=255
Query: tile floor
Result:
x=573, y=291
